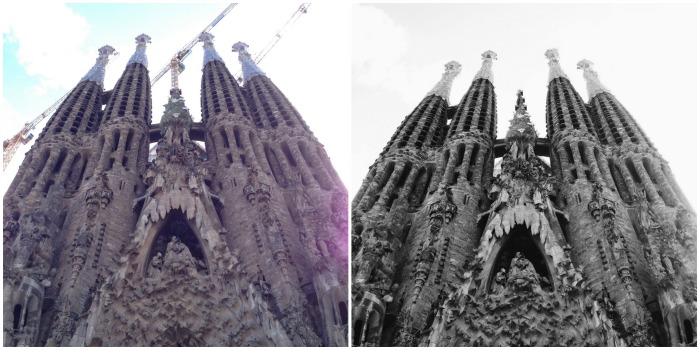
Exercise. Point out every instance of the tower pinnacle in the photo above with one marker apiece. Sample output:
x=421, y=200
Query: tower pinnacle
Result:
x=210, y=53
x=442, y=88
x=593, y=84
x=555, y=70
x=520, y=106
x=140, y=55
x=250, y=69
x=485, y=72
x=97, y=72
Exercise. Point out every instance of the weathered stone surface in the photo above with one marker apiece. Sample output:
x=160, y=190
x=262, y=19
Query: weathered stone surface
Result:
x=244, y=244
x=596, y=248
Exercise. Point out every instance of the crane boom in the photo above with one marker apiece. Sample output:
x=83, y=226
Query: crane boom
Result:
x=278, y=35
x=9, y=146
x=302, y=9
x=185, y=51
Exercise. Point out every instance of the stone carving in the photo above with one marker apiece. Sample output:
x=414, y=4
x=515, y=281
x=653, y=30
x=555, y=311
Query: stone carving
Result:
x=522, y=275
x=499, y=282
x=98, y=196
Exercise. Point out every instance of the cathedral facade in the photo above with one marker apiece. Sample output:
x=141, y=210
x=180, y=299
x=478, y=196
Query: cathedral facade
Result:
x=239, y=242
x=463, y=239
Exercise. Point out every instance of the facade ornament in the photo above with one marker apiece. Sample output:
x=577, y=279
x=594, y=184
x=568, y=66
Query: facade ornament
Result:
x=555, y=70
x=485, y=72
x=140, y=55
x=210, y=53
x=98, y=196
x=444, y=86
x=97, y=72
x=248, y=66
x=593, y=84
x=522, y=275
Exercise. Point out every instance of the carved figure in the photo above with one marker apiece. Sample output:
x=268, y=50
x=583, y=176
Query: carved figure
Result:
x=156, y=264
x=179, y=258
x=522, y=274
x=499, y=282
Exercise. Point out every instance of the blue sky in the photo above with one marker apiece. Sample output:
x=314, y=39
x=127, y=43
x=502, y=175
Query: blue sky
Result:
x=48, y=48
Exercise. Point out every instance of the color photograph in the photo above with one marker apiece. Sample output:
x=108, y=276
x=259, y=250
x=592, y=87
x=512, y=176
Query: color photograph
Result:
x=165, y=177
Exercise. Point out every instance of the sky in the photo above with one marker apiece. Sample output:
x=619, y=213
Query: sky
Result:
x=645, y=54
x=47, y=49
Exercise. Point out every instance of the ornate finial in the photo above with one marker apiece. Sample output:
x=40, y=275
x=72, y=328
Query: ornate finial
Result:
x=97, y=72
x=485, y=71
x=140, y=55
x=521, y=135
x=593, y=84
x=176, y=113
x=520, y=107
x=210, y=53
x=555, y=70
x=250, y=69
x=442, y=88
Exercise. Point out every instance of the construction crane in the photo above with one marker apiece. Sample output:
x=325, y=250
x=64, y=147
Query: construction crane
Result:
x=10, y=146
x=303, y=8
x=187, y=49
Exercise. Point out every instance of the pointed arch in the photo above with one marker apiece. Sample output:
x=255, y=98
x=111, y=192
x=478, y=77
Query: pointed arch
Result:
x=519, y=239
x=174, y=224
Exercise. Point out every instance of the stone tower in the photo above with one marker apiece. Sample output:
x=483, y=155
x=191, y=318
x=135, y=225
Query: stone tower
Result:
x=233, y=235
x=594, y=246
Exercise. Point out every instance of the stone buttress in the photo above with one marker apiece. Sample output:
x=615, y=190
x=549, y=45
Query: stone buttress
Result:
x=178, y=283
x=112, y=180
x=599, y=230
x=521, y=288
x=660, y=214
x=445, y=231
x=36, y=206
x=295, y=207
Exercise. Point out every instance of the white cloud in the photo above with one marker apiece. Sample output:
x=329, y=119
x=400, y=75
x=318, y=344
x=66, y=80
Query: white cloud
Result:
x=40, y=32
x=378, y=42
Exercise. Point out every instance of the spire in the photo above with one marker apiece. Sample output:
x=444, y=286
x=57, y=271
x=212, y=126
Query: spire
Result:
x=520, y=106
x=97, y=72
x=176, y=113
x=250, y=69
x=593, y=84
x=555, y=70
x=442, y=88
x=210, y=53
x=485, y=71
x=140, y=55
x=521, y=128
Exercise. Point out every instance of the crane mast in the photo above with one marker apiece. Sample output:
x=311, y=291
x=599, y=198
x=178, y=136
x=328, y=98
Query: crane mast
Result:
x=302, y=9
x=187, y=49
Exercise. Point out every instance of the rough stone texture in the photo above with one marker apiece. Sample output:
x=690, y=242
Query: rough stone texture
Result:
x=242, y=245
x=596, y=250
